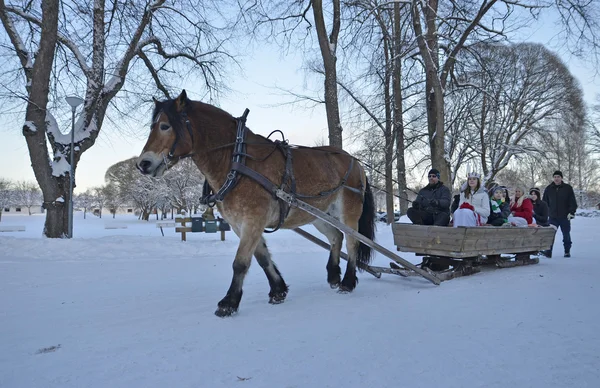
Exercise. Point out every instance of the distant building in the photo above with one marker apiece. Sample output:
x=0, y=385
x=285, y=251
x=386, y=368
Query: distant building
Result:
x=19, y=209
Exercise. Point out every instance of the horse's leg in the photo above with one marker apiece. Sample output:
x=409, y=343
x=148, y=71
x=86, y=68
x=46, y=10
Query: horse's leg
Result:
x=249, y=238
x=335, y=237
x=278, y=287
x=350, y=280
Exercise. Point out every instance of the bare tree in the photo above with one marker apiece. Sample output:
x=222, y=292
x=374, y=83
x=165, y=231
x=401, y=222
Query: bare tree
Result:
x=443, y=30
x=85, y=201
x=94, y=49
x=100, y=199
x=112, y=198
x=282, y=21
x=6, y=195
x=27, y=194
x=515, y=93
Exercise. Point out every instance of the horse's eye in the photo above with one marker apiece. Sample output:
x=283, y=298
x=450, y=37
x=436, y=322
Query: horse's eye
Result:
x=164, y=127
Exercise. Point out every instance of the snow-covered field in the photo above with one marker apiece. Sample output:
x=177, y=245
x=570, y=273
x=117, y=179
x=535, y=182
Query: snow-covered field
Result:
x=130, y=308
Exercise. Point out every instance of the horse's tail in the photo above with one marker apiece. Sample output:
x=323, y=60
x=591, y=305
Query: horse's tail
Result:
x=366, y=225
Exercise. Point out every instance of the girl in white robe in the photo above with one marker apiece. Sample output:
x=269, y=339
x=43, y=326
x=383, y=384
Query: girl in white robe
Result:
x=474, y=206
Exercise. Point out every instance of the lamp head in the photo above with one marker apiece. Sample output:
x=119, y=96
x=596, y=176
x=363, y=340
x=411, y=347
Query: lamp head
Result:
x=74, y=101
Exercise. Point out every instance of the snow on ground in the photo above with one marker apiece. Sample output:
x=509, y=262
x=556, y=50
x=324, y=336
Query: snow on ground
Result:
x=130, y=308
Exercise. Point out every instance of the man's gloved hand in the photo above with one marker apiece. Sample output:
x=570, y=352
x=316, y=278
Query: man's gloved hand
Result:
x=570, y=216
x=467, y=205
x=434, y=203
x=416, y=204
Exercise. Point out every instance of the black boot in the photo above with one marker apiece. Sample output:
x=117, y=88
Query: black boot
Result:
x=568, y=253
x=547, y=253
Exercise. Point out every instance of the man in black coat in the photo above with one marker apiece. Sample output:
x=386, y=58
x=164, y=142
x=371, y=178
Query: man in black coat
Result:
x=432, y=205
x=562, y=206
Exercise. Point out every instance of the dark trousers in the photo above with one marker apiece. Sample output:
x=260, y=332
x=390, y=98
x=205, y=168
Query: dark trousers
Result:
x=565, y=227
x=422, y=217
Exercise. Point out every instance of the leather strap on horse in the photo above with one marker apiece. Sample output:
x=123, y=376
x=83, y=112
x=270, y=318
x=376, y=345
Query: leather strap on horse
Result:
x=288, y=181
x=171, y=154
x=232, y=177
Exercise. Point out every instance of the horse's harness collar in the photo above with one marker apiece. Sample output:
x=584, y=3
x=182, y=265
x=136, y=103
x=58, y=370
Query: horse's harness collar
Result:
x=238, y=166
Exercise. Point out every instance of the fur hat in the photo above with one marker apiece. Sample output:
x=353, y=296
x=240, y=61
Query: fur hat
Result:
x=558, y=172
x=473, y=175
x=434, y=171
x=536, y=191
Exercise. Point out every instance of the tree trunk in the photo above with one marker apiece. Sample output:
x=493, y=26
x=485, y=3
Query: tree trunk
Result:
x=398, y=111
x=389, y=141
x=52, y=187
x=428, y=48
x=328, y=53
x=57, y=219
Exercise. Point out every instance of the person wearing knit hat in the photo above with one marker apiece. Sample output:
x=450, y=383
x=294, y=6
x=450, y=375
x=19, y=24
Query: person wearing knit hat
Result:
x=562, y=206
x=499, y=206
x=540, y=208
x=432, y=205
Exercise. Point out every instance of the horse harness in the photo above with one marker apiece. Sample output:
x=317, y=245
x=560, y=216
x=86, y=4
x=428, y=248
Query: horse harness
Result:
x=288, y=181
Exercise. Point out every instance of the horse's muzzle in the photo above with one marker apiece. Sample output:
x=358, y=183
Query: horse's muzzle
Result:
x=144, y=166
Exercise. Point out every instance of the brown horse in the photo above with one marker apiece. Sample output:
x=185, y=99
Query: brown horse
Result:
x=325, y=177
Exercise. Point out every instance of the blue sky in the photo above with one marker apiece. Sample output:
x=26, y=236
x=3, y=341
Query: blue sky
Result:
x=255, y=89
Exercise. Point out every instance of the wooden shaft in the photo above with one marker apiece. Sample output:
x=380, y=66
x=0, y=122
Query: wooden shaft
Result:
x=349, y=231
x=343, y=255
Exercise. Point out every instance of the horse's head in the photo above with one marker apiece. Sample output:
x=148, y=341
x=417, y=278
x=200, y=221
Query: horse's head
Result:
x=168, y=140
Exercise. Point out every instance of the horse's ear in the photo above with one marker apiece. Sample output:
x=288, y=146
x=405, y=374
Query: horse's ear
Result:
x=155, y=101
x=181, y=101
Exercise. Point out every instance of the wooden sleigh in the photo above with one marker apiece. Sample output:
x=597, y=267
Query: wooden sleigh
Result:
x=452, y=252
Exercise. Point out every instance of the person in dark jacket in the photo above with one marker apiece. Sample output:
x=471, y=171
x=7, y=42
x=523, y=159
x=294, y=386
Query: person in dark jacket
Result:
x=499, y=206
x=562, y=205
x=432, y=205
x=540, y=208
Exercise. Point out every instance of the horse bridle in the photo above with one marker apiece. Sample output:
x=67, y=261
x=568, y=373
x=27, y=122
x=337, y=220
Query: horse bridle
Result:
x=171, y=155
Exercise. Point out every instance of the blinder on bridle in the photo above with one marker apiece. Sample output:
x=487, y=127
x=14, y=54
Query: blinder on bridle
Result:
x=171, y=154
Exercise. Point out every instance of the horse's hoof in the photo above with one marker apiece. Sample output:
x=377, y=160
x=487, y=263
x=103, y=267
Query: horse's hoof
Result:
x=225, y=311
x=277, y=298
x=344, y=290
x=334, y=285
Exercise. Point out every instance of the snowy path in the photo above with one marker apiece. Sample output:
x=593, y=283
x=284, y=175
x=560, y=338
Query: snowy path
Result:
x=137, y=311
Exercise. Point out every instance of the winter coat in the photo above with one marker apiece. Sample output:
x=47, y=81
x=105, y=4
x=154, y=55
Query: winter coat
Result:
x=480, y=201
x=438, y=193
x=499, y=212
x=560, y=199
x=523, y=208
x=540, y=213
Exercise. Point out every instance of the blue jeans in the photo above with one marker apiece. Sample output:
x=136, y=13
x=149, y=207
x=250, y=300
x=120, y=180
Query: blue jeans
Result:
x=565, y=227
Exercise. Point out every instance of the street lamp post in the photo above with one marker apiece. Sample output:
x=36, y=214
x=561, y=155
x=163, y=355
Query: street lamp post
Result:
x=74, y=102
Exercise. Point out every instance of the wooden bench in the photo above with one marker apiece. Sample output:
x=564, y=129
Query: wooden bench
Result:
x=467, y=248
x=12, y=228
x=165, y=224
x=115, y=226
x=222, y=226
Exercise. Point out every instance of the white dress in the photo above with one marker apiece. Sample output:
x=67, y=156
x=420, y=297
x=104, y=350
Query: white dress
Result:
x=467, y=217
